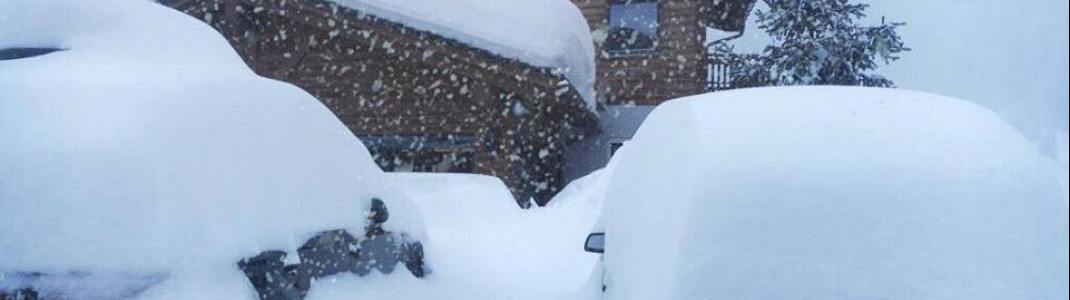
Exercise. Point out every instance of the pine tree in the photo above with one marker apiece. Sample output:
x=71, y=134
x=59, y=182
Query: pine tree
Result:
x=818, y=42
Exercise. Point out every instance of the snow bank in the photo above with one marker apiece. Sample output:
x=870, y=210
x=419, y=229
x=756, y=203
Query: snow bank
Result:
x=543, y=33
x=589, y=190
x=483, y=246
x=832, y=192
x=147, y=146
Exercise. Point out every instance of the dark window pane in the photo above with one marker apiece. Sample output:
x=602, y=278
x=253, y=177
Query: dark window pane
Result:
x=633, y=27
x=438, y=154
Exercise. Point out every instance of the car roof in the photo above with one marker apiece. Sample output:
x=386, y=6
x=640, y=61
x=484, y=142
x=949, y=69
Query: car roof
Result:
x=821, y=192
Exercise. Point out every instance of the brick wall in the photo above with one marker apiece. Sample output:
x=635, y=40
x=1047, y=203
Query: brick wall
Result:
x=381, y=78
x=675, y=69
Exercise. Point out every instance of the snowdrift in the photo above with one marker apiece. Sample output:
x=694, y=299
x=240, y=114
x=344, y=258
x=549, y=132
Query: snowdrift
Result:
x=832, y=192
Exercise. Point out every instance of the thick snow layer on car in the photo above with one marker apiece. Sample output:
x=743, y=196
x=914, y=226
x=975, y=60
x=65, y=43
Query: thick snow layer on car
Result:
x=484, y=246
x=590, y=189
x=832, y=192
x=146, y=146
x=543, y=33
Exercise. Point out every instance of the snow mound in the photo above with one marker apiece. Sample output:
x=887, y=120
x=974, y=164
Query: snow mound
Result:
x=589, y=190
x=147, y=146
x=832, y=192
x=543, y=33
x=483, y=245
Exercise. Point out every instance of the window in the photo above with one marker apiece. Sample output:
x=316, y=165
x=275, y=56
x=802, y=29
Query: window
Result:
x=451, y=153
x=633, y=27
x=434, y=161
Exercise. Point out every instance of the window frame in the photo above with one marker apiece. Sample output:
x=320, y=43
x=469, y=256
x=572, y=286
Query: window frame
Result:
x=615, y=53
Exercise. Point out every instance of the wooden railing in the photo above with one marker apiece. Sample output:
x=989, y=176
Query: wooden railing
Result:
x=724, y=70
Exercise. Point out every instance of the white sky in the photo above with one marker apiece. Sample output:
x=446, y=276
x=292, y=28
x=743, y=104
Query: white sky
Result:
x=1010, y=56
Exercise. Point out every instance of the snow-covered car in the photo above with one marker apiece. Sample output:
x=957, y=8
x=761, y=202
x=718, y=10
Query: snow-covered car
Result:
x=830, y=193
x=142, y=159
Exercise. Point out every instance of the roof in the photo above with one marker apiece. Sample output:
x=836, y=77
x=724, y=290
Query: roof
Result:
x=726, y=15
x=542, y=33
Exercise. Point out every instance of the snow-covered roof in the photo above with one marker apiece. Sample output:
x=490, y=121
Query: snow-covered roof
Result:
x=543, y=33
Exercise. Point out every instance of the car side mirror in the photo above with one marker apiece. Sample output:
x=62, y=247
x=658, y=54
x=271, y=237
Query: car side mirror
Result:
x=596, y=243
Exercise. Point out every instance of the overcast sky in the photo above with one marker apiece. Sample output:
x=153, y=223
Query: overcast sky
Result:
x=1010, y=56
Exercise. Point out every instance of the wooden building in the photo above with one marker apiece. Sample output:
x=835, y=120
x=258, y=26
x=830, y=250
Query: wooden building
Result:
x=647, y=52
x=422, y=101
x=419, y=101
x=650, y=51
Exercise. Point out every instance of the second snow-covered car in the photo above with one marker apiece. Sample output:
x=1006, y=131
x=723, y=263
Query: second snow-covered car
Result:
x=830, y=193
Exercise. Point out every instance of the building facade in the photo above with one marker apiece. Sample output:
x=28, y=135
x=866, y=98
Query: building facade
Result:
x=422, y=102
x=419, y=101
x=648, y=52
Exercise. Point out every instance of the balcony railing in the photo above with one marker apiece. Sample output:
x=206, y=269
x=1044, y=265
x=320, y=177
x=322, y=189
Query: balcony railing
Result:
x=725, y=70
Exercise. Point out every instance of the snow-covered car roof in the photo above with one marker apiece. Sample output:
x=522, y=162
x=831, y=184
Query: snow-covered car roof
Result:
x=832, y=192
x=146, y=146
x=543, y=33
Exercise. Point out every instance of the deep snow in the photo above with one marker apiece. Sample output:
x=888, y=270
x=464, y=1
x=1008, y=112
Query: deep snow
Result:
x=146, y=146
x=832, y=192
x=543, y=33
x=485, y=247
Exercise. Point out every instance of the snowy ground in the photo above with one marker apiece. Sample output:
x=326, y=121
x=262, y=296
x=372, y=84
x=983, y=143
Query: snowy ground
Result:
x=482, y=246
